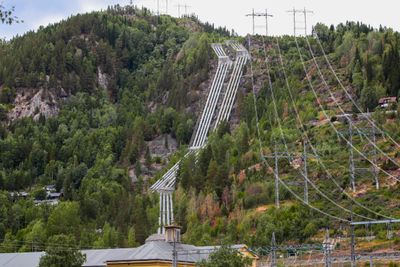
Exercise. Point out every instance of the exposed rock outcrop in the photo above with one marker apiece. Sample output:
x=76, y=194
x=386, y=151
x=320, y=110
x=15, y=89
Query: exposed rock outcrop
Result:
x=33, y=103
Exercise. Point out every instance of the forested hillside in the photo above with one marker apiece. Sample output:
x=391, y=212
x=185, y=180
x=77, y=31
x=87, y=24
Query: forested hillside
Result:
x=229, y=193
x=115, y=80
x=83, y=101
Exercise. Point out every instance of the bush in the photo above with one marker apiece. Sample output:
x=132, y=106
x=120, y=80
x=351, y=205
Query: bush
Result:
x=226, y=257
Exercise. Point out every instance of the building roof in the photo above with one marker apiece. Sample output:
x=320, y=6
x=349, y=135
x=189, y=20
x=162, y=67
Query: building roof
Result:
x=155, y=249
x=390, y=99
x=159, y=250
x=94, y=257
x=27, y=259
x=98, y=257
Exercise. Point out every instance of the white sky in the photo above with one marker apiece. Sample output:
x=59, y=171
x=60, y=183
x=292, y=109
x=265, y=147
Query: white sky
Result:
x=229, y=13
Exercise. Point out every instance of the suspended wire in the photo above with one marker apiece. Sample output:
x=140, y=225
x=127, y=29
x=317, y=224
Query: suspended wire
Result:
x=341, y=109
x=347, y=92
x=39, y=245
x=330, y=176
x=263, y=156
x=330, y=122
x=285, y=143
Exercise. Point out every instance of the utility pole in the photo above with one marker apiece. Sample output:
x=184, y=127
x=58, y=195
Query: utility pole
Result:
x=185, y=6
x=305, y=172
x=273, y=250
x=353, y=241
x=389, y=231
x=374, y=154
x=266, y=21
x=186, y=9
x=254, y=15
x=158, y=7
x=327, y=249
x=276, y=177
x=276, y=156
x=305, y=12
x=305, y=20
x=352, y=168
x=353, y=224
x=254, y=26
x=179, y=10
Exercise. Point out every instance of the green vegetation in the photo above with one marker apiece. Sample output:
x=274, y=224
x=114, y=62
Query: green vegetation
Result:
x=124, y=77
x=229, y=194
x=99, y=132
x=226, y=257
x=62, y=252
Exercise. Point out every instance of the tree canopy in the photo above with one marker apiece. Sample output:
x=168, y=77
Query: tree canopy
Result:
x=62, y=251
x=226, y=256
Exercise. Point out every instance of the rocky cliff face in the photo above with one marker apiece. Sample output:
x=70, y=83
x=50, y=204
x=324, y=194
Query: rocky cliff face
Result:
x=34, y=103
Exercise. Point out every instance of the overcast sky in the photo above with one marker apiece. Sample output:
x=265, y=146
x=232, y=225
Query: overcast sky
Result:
x=229, y=13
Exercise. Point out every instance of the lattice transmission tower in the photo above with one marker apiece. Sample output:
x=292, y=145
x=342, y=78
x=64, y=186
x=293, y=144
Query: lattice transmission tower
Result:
x=262, y=14
x=300, y=25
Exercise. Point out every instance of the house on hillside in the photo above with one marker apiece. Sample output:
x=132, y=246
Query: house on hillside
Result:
x=157, y=251
x=385, y=102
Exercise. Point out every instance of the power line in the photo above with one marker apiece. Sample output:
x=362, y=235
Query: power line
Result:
x=262, y=153
x=186, y=9
x=254, y=15
x=347, y=92
x=327, y=116
x=296, y=27
x=288, y=155
x=330, y=122
x=179, y=6
x=352, y=166
x=308, y=138
x=368, y=223
x=305, y=175
x=276, y=155
x=305, y=158
x=344, y=113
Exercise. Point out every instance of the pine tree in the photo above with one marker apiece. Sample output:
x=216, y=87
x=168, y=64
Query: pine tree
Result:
x=391, y=69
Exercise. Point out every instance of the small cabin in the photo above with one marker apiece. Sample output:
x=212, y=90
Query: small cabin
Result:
x=385, y=102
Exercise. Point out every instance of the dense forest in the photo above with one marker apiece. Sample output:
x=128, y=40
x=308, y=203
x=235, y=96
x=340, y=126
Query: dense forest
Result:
x=124, y=77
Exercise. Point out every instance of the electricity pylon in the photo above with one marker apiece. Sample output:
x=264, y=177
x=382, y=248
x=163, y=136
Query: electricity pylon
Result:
x=296, y=26
x=254, y=15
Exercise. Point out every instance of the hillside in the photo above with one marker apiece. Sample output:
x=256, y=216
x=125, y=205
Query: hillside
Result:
x=107, y=100
x=94, y=109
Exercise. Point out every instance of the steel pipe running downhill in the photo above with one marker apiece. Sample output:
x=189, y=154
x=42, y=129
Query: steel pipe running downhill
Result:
x=166, y=185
